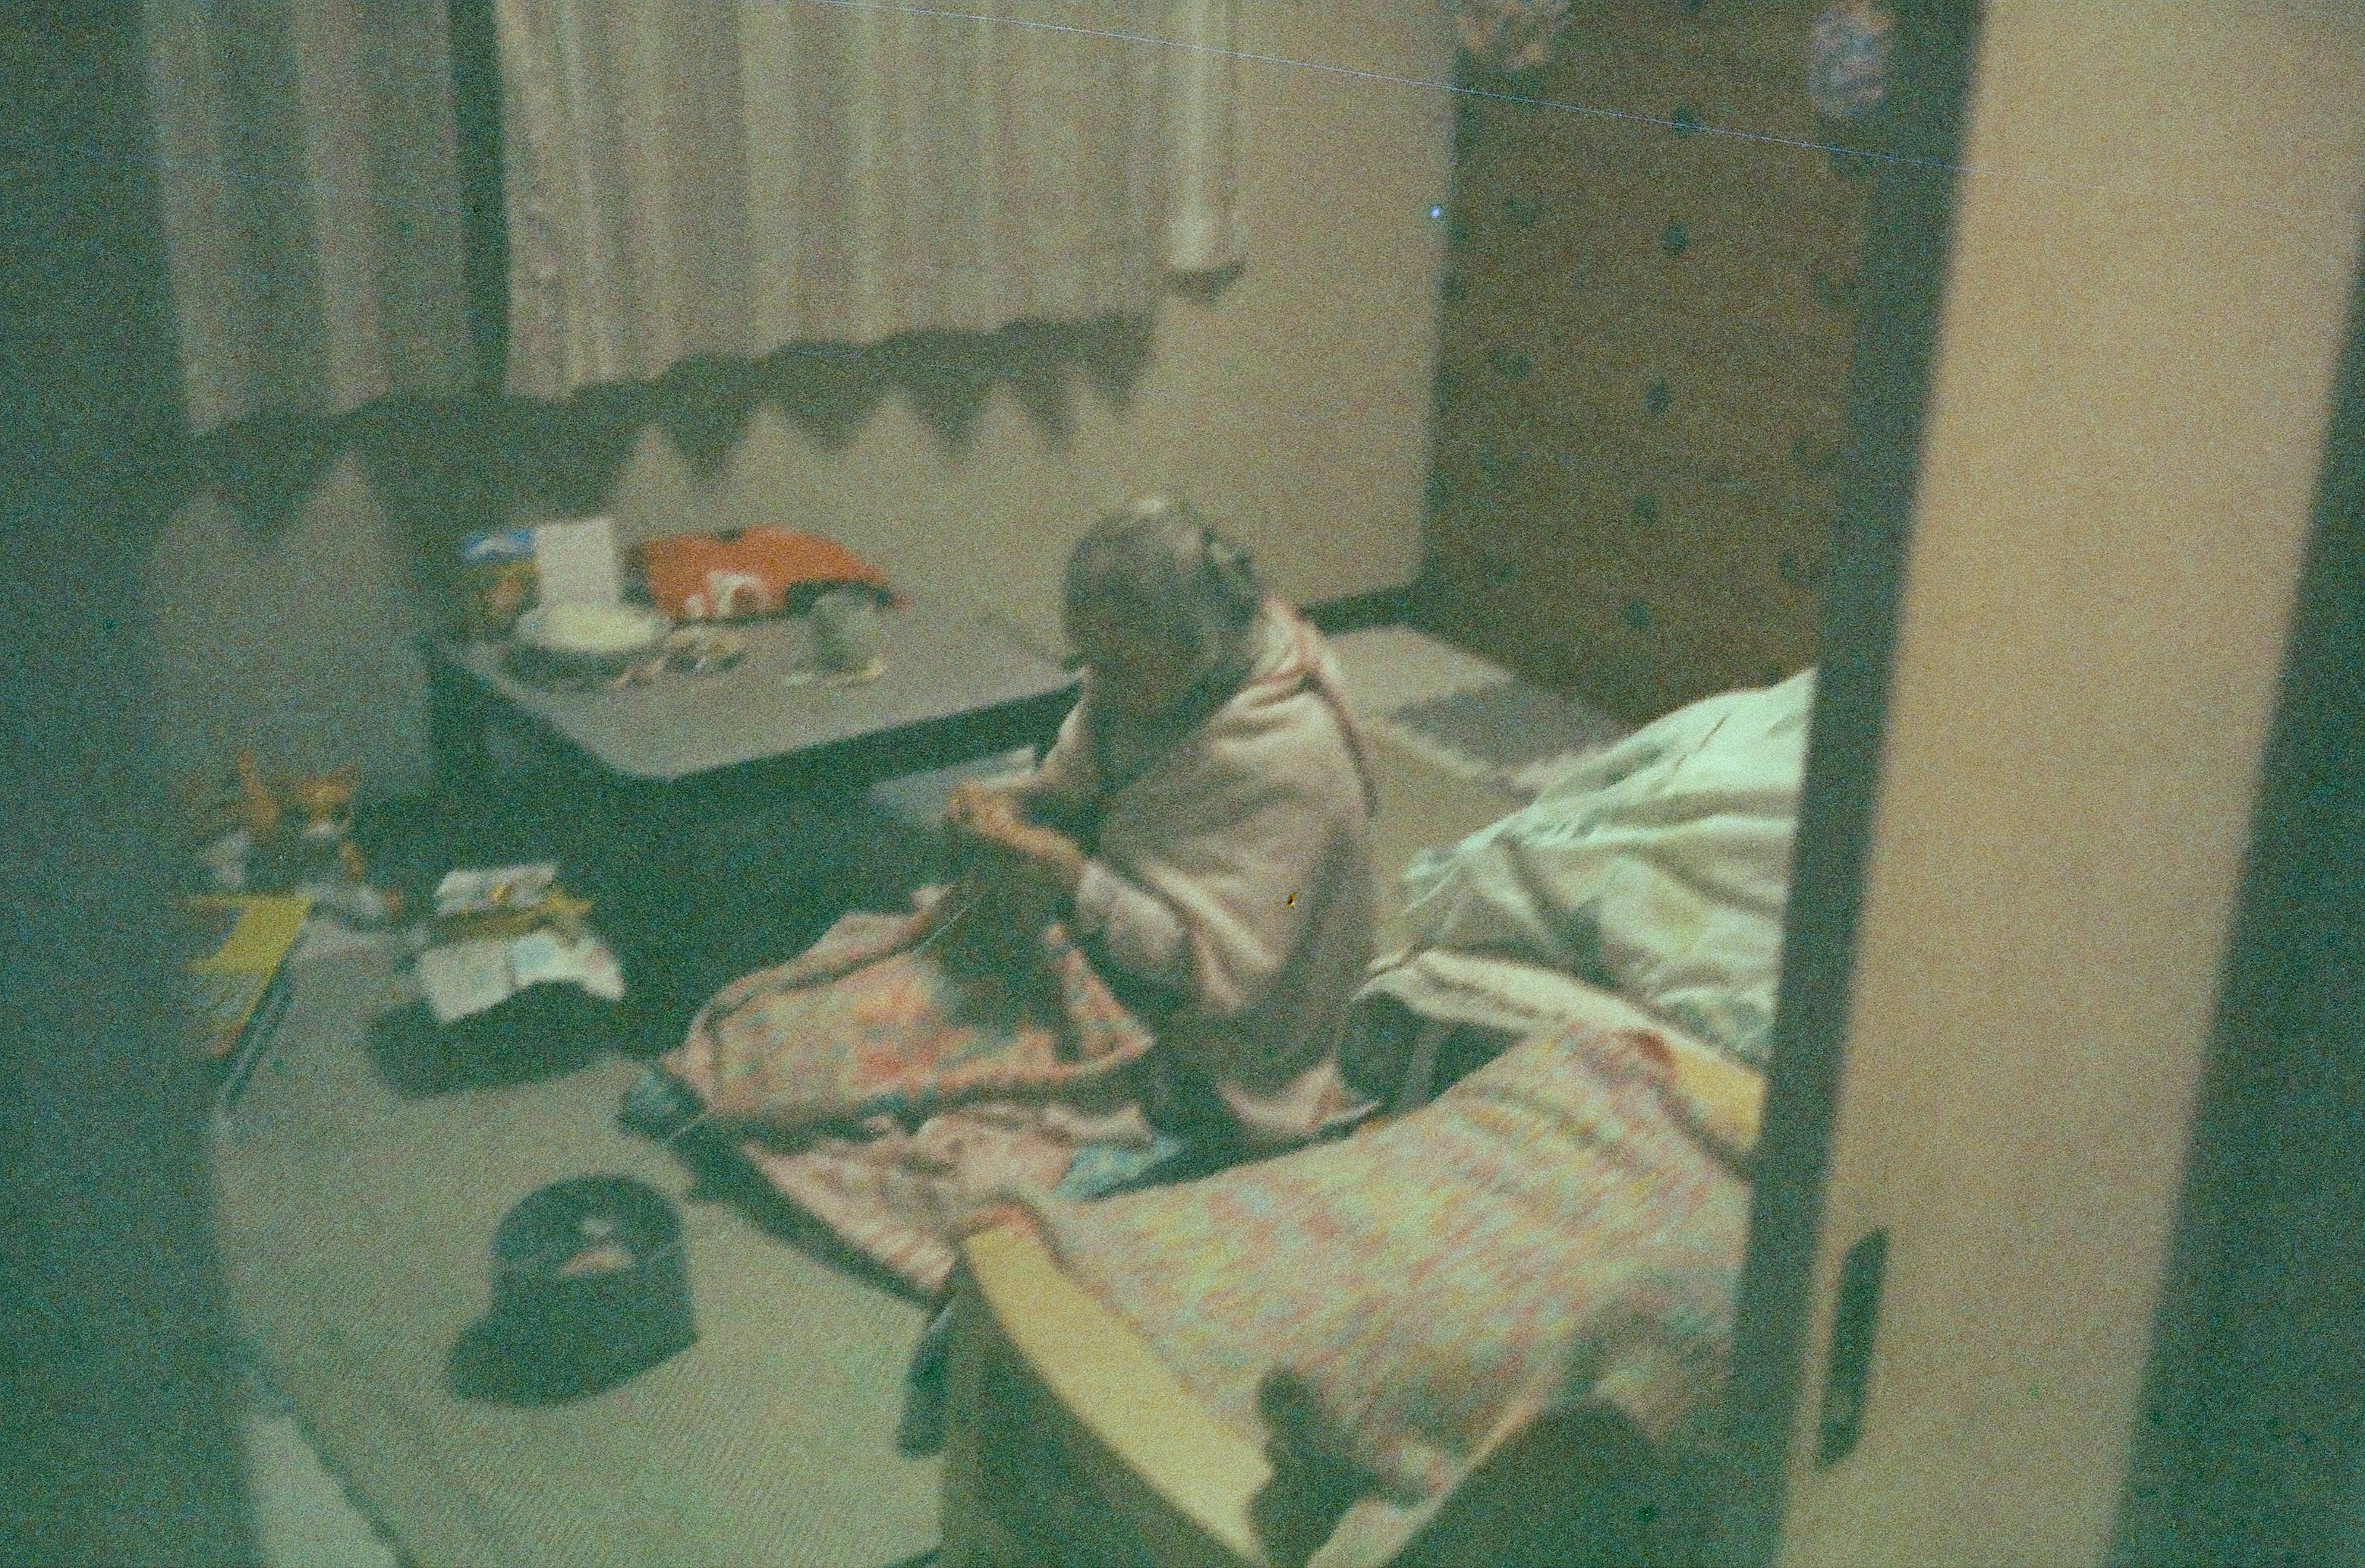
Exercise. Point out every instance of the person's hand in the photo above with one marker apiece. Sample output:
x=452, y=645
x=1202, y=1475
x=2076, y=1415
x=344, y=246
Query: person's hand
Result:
x=980, y=820
x=978, y=810
x=1041, y=855
x=1050, y=856
x=983, y=818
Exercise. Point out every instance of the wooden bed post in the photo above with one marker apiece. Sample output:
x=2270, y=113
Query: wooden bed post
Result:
x=1068, y=1442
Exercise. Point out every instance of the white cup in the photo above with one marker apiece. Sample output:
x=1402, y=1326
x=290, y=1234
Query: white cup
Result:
x=846, y=631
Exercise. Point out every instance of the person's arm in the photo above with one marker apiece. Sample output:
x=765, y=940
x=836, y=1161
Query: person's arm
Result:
x=1069, y=776
x=1139, y=930
x=1054, y=791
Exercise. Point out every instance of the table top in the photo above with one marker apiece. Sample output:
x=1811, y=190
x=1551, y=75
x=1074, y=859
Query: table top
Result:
x=939, y=662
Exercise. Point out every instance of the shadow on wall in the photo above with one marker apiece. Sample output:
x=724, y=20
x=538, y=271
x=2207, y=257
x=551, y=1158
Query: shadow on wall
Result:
x=447, y=467
x=304, y=552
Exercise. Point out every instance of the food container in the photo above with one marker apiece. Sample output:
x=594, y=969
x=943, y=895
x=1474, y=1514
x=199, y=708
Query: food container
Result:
x=846, y=632
x=589, y=1285
x=587, y=642
x=498, y=582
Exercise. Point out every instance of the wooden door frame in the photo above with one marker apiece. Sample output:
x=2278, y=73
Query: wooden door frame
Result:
x=2250, y=1448
x=1907, y=242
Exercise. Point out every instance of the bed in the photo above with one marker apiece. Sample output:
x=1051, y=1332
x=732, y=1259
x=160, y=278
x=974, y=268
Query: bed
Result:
x=1489, y=1328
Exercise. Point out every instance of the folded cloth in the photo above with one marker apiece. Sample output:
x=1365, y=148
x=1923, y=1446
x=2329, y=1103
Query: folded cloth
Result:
x=1658, y=869
x=1100, y=1168
x=658, y=1106
x=884, y=1081
x=708, y=577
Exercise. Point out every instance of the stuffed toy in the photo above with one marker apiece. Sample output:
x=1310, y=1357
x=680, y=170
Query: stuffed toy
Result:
x=268, y=836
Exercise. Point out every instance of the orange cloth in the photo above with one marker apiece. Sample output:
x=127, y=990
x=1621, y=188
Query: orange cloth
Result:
x=706, y=576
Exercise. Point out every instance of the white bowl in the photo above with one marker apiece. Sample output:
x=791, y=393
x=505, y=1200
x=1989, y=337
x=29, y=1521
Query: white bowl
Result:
x=591, y=639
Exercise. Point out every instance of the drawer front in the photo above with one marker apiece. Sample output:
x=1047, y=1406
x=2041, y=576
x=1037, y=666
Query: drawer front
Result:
x=1648, y=326
x=1639, y=645
x=1706, y=413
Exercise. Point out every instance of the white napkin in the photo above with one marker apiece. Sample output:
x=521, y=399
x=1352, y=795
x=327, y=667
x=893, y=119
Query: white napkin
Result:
x=576, y=562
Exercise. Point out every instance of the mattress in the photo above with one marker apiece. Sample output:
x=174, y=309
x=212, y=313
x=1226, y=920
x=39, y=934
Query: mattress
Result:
x=1561, y=1229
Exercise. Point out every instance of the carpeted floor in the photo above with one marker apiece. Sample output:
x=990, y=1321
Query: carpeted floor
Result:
x=356, y=1219
x=361, y=1175
x=1470, y=718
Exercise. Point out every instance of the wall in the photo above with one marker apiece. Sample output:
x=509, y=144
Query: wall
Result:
x=1294, y=400
x=121, y=1444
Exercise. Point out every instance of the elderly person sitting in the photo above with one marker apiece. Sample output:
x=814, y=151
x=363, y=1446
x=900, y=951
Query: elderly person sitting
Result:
x=1227, y=892
x=1145, y=968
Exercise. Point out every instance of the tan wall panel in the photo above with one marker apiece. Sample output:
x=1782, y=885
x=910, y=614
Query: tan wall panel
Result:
x=2125, y=429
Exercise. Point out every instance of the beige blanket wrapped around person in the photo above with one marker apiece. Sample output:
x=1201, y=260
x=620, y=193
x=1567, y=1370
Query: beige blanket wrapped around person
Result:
x=888, y=1083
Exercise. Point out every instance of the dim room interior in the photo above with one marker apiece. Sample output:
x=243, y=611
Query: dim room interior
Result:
x=649, y=466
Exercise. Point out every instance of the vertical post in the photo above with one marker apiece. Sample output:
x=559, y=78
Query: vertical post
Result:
x=119, y=1441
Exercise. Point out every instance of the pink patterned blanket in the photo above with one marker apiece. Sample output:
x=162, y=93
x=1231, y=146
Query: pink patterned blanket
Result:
x=1549, y=1233
x=887, y=1082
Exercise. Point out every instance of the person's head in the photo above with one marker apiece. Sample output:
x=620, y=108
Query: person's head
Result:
x=1161, y=608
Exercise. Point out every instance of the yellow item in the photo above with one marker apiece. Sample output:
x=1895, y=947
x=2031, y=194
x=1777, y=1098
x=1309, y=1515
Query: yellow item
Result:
x=554, y=909
x=232, y=981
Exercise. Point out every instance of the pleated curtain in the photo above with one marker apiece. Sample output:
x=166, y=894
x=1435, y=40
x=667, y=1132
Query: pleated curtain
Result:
x=308, y=169
x=727, y=177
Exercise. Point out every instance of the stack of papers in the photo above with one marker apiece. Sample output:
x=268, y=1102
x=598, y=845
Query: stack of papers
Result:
x=479, y=972
x=466, y=978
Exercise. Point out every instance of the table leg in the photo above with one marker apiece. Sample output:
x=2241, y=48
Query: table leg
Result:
x=457, y=715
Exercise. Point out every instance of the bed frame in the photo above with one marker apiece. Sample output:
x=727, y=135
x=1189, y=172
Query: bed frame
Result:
x=1069, y=1443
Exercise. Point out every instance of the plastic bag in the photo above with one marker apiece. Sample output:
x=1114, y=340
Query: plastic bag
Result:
x=1848, y=59
x=1510, y=35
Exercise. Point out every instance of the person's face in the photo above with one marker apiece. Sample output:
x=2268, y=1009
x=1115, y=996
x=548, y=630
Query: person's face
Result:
x=1135, y=673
